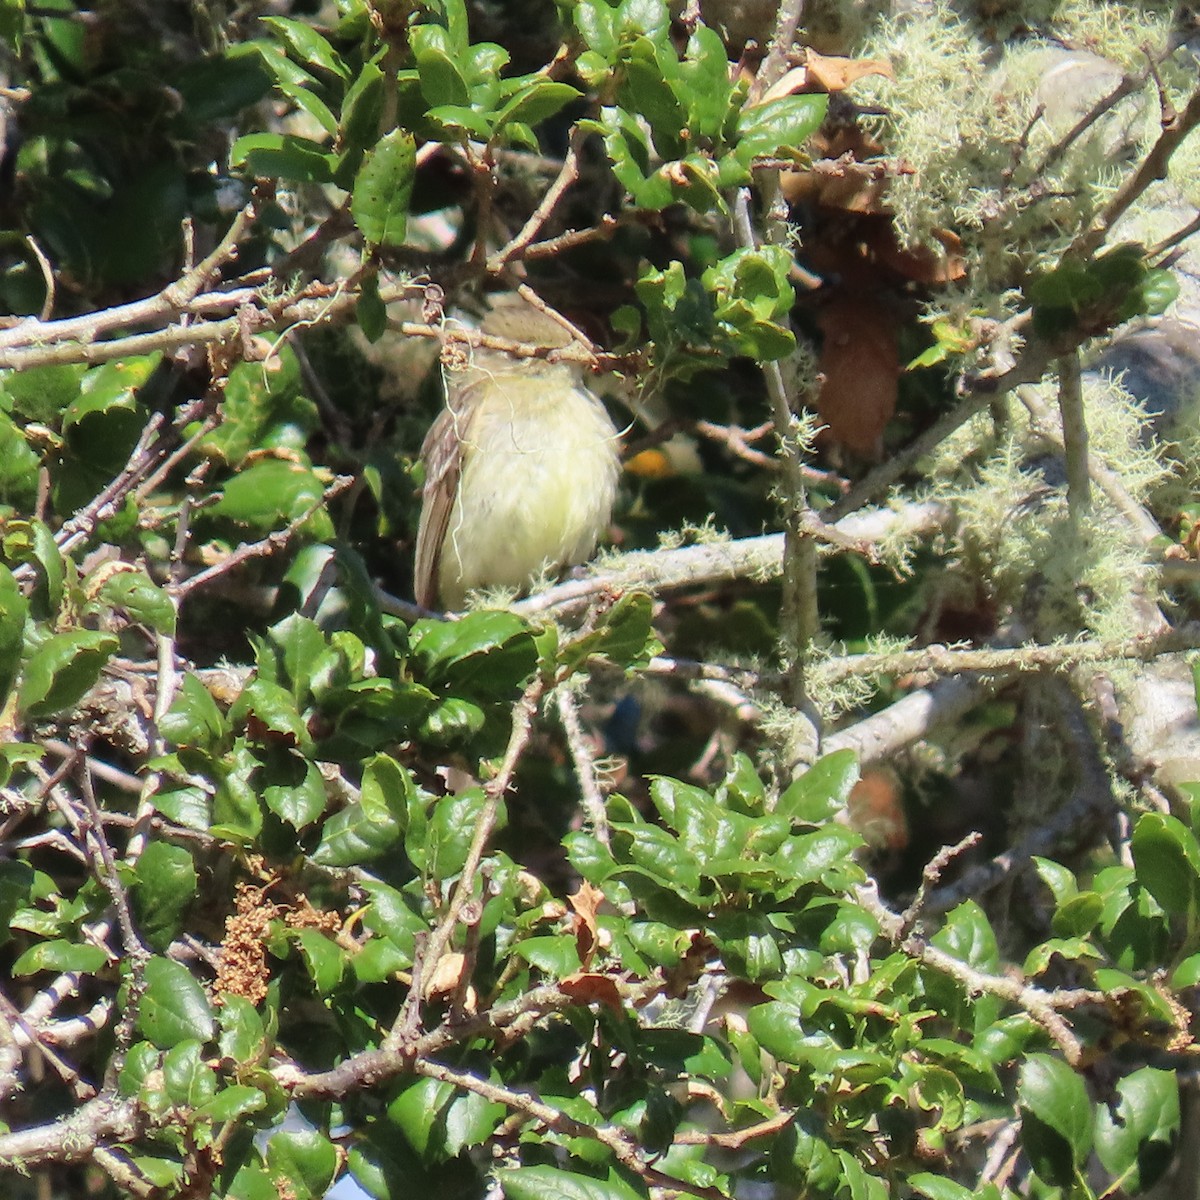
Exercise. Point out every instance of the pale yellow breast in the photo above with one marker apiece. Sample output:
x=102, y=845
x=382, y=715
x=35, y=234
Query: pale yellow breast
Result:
x=538, y=482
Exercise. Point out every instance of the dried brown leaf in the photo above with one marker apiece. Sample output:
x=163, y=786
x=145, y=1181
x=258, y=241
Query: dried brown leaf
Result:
x=860, y=365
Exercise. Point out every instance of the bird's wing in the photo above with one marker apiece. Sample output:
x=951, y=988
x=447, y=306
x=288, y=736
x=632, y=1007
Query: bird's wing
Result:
x=442, y=453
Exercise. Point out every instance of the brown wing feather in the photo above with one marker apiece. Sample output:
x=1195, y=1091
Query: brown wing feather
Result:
x=442, y=454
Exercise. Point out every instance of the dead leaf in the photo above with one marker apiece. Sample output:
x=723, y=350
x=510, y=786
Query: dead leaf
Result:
x=876, y=810
x=819, y=73
x=794, y=81
x=846, y=189
x=921, y=264
x=585, y=902
x=860, y=365
x=589, y=988
x=448, y=976
x=835, y=74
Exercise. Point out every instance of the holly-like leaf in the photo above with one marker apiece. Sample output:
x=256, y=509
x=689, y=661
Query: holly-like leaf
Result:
x=382, y=192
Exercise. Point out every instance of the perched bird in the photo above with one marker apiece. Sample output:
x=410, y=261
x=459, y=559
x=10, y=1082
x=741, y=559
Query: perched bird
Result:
x=520, y=467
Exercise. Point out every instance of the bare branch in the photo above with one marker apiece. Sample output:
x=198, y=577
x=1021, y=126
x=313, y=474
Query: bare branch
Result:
x=1153, y=166
x=585, y=764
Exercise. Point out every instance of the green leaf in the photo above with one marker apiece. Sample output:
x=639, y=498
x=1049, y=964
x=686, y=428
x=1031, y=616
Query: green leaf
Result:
x=387, y=789
x=173, y=1007
x=451, y=829
x=324, y=958
x=188, y=1080
x=1056, y=1117
x=706, y=87
x=938, y=1187
x=440, y=1122
x=141, y=598
x=630, y=152
x=778, y=1028
x=111, y=386
x=383, y=189
x=14, y=608
x=535, y=101
x=821, y=792
x=350, y=838
x=282, y=156
x=302, y=1160
x=164, y=886
x=301, y=799
x=596, y=22
x=379, y=959
x=1059, y=879
x=308, y=101
x=1187, y=974
x=648, y=92
x=193, y=718
x=802, y=1158
x=32, y=542
x=270, y=709
x=550, y=1183
x=1166, y=858
x=243, y=1037
x=164, y=1173
x=554, y=955
x=60, y=955
x=262, y=410
x=42, y=394
x=370, y=309
x=441, y=80
x=231, y=1103
x=142, y=1059
x=62, y=669
x=826, y=854
x=1078, y=916
x=1135, y=1138
x=968, y=935
x=307, y=45
x=487, y=654
x=780, y=127
x=625, y=636
x=1159, y=291
x=361, y=108
x=269, y=493
x=19, y=465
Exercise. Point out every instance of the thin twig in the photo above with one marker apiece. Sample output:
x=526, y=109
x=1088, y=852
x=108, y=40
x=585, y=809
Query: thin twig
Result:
x=585, y=765
x=567, y=175
x=932, y=874
x=625, y=1148
x=47, y=275
x=800, y=618
x=979, y=392
x=79, y=1088
x=1153, y=166
x=783, y=37
x=1041, y=1005
x=1106, y=479
x=1156, y=252
x=1075, y=437
x=408, y=1022
x=106, y=870
x=950, y=660
x=271, y=544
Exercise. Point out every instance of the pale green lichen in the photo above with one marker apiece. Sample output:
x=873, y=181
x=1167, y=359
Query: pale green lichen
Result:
x=977, y=119
x=833, y=697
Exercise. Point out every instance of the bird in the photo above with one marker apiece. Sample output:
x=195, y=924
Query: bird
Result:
x=521, y=466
